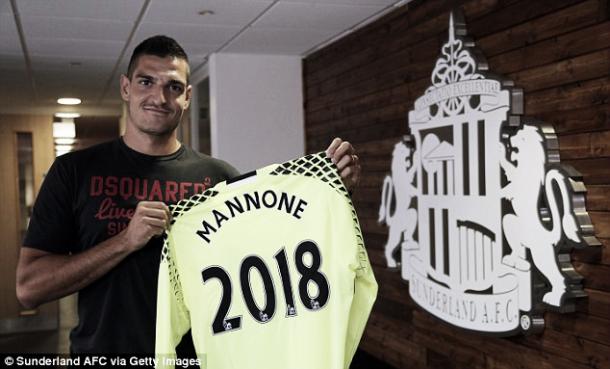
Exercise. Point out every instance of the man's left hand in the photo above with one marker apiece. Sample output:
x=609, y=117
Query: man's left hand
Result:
x=344, y=156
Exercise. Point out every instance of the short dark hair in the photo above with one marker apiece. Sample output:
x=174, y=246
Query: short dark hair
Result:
x=160, y=46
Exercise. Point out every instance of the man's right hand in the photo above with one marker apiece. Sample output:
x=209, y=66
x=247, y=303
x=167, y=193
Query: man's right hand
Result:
x=150, y=219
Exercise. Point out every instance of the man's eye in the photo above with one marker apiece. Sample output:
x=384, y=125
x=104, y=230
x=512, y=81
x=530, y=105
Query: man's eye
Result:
x=145, y=82
x=176, y=88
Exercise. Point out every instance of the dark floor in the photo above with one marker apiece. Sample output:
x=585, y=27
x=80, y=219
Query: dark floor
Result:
x=29, y=343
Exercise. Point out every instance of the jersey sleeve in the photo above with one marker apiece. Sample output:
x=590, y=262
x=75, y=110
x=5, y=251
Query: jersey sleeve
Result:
x=365, y=293
x=52, y=226
x=173, y=319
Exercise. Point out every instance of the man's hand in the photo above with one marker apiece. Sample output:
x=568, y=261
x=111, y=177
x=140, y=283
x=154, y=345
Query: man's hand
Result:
x=150, y=219
x=344, y=156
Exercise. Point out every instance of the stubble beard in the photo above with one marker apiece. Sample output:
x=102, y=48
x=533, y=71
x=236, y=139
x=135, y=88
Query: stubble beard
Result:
x=167, y=131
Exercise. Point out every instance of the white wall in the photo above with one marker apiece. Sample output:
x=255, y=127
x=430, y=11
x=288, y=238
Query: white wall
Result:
x=256, y=108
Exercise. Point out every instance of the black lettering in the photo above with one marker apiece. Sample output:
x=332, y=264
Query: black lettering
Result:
x=237, y=206
x=220, y=217
x=206, y=231
x=300, y=208
x=273, y=195
x=284, y=200
x=255, y=201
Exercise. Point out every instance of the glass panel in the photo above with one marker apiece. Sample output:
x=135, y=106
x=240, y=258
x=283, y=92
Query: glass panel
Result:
x=25, y=159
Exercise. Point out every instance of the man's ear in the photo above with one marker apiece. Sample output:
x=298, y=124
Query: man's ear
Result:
x=125, y=83
x=189, y=94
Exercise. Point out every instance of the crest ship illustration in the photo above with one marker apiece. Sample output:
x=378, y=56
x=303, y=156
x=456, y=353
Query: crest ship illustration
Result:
x=482, y=215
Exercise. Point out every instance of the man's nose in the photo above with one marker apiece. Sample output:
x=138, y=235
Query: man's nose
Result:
x=158, y=95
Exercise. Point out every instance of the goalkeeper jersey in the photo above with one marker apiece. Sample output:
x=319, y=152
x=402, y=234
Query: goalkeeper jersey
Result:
x=268, y=271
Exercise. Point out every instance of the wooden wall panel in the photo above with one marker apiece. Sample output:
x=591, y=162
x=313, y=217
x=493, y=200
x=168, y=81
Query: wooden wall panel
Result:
x=43, y=154
x=361, y=89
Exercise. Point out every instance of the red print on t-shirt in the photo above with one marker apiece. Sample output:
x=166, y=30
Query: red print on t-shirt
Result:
x=121, y=194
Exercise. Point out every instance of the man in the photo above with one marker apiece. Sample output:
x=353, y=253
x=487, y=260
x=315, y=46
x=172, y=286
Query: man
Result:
x=96, y=220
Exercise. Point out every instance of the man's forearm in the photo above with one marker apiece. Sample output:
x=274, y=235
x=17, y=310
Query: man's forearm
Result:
x=43, y=277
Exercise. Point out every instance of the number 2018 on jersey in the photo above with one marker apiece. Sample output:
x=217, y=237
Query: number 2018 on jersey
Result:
x=308, y=273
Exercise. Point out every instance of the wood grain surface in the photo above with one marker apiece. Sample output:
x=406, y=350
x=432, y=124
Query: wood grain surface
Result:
x=361, y=88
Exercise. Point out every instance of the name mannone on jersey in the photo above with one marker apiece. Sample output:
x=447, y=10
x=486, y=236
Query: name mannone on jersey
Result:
x=268, y=271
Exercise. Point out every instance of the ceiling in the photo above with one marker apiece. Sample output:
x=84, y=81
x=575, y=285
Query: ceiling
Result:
x=79, y=48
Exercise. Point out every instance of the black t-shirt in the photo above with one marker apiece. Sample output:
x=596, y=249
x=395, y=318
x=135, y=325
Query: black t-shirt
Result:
x=89, y=196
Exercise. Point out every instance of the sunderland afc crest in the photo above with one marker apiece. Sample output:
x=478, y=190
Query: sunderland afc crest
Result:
x=481, y=214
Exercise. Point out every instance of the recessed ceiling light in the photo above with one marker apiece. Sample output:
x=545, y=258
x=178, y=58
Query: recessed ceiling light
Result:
x=67, y=115
x=206, y=12
x=65, y=141
x=68, y=101
x=64, y=130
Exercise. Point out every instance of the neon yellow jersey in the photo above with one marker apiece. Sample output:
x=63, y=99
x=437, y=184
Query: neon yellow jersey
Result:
x=268, y=271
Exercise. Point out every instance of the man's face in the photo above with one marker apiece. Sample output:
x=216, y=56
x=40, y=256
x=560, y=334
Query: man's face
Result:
x=157, y=94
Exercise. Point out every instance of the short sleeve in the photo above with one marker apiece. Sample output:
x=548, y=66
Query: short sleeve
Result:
x=52, y=226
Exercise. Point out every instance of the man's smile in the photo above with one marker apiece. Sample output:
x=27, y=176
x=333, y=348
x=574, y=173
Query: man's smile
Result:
x=156, y=110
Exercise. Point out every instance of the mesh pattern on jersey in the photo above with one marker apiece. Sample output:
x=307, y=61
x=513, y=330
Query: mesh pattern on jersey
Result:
x=314, y=165
x=320, y=166
x=177, y=210
x=185, y=204
x=174, y=277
